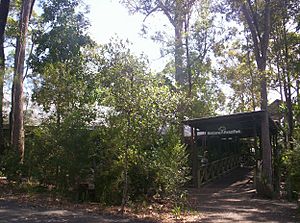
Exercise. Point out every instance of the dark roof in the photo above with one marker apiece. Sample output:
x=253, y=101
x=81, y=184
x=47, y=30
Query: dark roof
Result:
x=274, y=109
x=247, y=122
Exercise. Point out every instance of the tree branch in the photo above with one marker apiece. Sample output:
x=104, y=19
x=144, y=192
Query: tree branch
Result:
x=149, y=13
x=253, y=31
x=166, y=12
x=266, y=35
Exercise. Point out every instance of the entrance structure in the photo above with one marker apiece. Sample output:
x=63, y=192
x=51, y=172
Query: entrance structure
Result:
x=218, y=143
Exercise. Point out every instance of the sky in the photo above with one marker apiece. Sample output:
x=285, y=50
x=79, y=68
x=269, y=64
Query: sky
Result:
x=110, y=19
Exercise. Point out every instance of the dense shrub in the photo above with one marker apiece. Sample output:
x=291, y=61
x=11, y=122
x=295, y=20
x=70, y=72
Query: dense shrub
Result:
x=292, y=163
x=58, y=156
x=64, y=156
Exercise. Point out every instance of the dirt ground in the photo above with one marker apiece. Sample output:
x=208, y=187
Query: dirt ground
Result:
x=233, y=199
x=230, y=199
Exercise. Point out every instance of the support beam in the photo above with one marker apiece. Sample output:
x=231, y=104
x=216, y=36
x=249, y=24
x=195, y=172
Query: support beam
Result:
x=194, y=156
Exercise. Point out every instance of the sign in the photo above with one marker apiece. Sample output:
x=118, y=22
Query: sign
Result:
x=223, y=131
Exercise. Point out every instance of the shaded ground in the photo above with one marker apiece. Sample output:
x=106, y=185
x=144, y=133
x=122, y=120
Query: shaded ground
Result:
x=12, y=211
x=232, y=199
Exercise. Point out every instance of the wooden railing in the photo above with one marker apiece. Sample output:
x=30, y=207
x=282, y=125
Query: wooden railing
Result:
x=215, y=169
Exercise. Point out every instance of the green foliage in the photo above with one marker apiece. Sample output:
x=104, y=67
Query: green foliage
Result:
x=291, y=159
x=240, y=74
x=59, y=156
x=104, y=113
x=106, y=165
x=108, y=184
x=172, y=170
x=10, y=165
x=61, y=75
x=193, y=49
x=144, y=113
x=163, y=170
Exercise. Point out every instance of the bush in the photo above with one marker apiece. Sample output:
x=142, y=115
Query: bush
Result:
x=10, y=166
x=58, y=155
x=108, y=185
x=292, y=161
x=161, y=169
x=171, y=167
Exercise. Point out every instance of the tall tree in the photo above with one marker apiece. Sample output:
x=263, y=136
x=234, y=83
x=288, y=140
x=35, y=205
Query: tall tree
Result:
x=256, y=16
x=4, y=8
x=58, y=62
x=260, y=28
x=17, y=134
x=178, y=14
x=200, y=39
x=240, y=73
x=284, y=53
x=187, y=52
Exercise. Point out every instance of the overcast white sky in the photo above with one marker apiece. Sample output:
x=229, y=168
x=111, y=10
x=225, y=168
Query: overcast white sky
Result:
x=109, y=18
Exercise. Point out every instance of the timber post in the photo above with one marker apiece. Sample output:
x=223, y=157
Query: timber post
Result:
x=194, y=156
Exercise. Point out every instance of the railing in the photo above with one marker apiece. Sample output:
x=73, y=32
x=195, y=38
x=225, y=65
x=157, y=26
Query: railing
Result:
x=215, y=169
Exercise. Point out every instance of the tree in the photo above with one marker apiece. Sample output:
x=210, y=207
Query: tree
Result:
x=4, y=8
x=17, y=134
x=143, y=109
x=239, y=72
x=61, y=74
x=191, y=44
x=178, y=14
x=256, y=16
x=283, y=53
x=258, y=19
x=201, y=32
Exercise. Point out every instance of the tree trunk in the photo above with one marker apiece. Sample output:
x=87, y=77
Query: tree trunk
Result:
x=287, y=88
x=4, y=8
x=17, y=113
x=251, y=75
x=179, y=51
x=265, y=130
x=187, y=54
x=298, y=98
x=260, y=37
x=125, y=187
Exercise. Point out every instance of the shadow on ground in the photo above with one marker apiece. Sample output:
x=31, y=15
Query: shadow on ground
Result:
x=11, y=211
x=229, y=199
x=232, y=199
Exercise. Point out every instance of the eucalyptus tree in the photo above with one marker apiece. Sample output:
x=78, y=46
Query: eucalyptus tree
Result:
x=17, y=133
x=178, y=13
x=238, y=70
x=257, y=17
x=4, y=8
x=284, y=51
x=284, y=54
x=201, y=38
x=193, y=41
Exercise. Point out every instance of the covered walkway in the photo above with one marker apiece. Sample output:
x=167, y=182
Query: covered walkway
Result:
x=233, y=199
x=219, y=144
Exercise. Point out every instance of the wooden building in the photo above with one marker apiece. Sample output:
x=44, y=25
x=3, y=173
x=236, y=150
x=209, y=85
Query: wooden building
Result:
x=219, y=144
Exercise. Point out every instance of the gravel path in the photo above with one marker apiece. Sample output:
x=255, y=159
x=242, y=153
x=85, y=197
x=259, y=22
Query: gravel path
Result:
x=232, y=199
